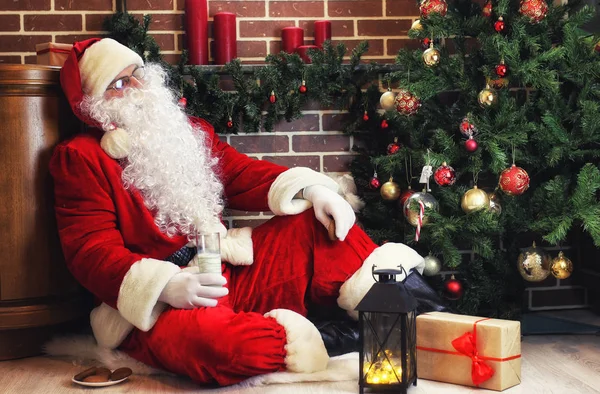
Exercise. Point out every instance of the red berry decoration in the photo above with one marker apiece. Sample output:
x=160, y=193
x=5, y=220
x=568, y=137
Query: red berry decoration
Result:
x=407, y=103
x=429, y=7
x=366, y=116
x=487, y=9
x=467, y=128
x=453, y=288
x=393, y=148
x=514, y=181
x=384, y=124
x=375, y=182
x=535, y=10
x=444, y=175
x=499, y=25
x=471, y=145
x=501, y=69
x=272, y=97
x=302, y=89
x=182, y=102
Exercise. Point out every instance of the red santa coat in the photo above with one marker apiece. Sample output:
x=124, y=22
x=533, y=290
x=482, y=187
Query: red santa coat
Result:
x=112, y=245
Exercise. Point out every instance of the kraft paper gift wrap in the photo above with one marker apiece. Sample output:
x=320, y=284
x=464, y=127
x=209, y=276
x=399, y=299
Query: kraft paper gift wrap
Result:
x=52, y=53
x=469, y=350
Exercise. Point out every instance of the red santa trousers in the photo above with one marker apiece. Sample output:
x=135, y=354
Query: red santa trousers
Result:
x=295, y=264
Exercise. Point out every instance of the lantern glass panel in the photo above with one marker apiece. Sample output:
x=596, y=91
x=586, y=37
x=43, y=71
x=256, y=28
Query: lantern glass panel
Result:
x=382, y=347
x=411, y=338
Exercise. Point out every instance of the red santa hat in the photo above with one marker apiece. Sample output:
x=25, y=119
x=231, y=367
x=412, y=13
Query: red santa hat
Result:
x=91, y=66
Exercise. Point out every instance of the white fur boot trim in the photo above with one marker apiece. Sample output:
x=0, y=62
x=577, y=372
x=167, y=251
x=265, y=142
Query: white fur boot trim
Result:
x=109, y=327
x=389, y=255
x=116, y=143
x=305, y=348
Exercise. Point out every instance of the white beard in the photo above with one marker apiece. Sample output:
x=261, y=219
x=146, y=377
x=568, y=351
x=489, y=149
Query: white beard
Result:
x=169, y=163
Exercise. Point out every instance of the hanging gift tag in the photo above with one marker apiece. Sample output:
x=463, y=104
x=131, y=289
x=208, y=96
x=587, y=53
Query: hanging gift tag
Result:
x=425, y=174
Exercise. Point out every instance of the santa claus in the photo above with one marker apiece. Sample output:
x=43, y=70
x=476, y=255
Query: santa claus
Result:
x=134, y=188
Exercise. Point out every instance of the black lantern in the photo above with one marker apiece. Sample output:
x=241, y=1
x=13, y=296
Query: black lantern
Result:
x=388, y=335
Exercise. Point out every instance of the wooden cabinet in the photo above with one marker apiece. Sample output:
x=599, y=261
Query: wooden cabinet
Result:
x=38, y=296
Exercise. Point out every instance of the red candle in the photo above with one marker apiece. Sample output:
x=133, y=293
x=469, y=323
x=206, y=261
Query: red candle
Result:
x=291, y=38
x=225, y=39
x=322, y=32
x=196, y=31
x=302, y=50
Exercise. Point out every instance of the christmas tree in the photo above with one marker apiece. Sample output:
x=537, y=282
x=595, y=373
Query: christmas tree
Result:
x=493, y=124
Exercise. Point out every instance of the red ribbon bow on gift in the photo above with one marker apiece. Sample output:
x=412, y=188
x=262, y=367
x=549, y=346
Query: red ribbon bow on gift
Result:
x=467, y=344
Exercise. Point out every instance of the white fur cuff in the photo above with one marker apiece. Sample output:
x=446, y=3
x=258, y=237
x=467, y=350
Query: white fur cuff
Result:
x=289, y=183
x=237, y=247
x=140, y=289
x=305, y=349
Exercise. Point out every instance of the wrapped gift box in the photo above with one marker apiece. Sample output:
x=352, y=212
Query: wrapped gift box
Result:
x=52, y=54
x=469, y=350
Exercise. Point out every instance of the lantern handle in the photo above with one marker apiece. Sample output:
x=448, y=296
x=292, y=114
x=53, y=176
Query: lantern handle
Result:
x=400, y=271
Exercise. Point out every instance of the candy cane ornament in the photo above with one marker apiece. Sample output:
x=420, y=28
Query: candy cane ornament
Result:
x=420, y=220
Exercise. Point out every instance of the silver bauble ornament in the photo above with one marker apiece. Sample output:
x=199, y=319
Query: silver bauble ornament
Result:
x=432, y=265
x=412, y=215
x=534, y=264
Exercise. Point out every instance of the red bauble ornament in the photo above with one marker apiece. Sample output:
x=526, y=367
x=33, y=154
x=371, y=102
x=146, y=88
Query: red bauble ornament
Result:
x=366, y=116
x=535, y=10
x=182, y=102
x=393, y=148
x=404, y=196
x=374, y=183
x=407, y=103
x=514, y=181
x=272, y=97
x=471, y=145
x=499, y=25
x=501, y=69
x=384, y=124
x=487, y=9
x=229, y=123
x=467, y=128
x=597, y=47
x=444, y=175
x=428, y=7
x=302, y=89
x=453, y=288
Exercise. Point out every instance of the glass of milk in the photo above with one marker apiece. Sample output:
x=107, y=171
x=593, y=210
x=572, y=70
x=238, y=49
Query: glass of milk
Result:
x=208, y=256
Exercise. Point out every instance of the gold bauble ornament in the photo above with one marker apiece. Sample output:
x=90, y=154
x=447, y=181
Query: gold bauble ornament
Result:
x=474, y=200
x=495, y=205
x=417, y=25
x=387, y=100
x=411, y=207
x=390, y=190
x=534, y=264
x=561, y=267
x=432, y=56
x=487, y=97
x=432, y=265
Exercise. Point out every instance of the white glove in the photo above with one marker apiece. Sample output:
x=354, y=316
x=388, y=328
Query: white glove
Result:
x=188, y=290
x=328, y=204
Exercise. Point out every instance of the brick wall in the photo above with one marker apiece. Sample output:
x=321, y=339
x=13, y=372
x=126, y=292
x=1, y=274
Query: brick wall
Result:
x=316, y=140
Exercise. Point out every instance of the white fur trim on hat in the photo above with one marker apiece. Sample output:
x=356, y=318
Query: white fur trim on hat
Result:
x=102, y=62
x=116, y=143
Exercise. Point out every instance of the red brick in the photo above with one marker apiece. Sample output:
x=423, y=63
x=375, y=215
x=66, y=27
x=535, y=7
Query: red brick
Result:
x=312, y=105
x=375, y=46
x=401, y=8
x=164, y=21
x=275, y=46
x=248, y=222
x=24, y=5
x=10, y=23
x=295, y=9
x=10, y=59
x=88, y=5
x=263, y=28
x=308, y=122
x=260, y=143
x=391, y=27
x=334, y=122
x=339, y=28
x=244, y=9
x=172, y=58
x=321, y=143
x=93, y=22
x=71, y=38
x=180, y=41
x=31, y=59
x=252, y=49
x=22, y=42
x=166, y=42
x=150, y=5
x=558, y=297
x=337, y=163
x=393, y=46
x=353, y=8
x=312, y=162
x=235, y=212
x=54, y=22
